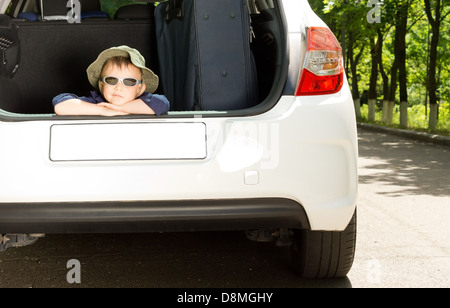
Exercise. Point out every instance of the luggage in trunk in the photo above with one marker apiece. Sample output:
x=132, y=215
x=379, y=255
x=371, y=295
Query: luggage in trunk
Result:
x=204, y=54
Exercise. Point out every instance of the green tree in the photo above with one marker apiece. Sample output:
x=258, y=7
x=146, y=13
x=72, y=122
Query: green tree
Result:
x=347, y=19
x=377, y=29
x=398, y=68
x=395, y=58
x=435, y=19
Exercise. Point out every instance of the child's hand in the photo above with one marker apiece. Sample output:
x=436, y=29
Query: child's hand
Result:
x=79, y=107
x=136, y=106
x=112, y=110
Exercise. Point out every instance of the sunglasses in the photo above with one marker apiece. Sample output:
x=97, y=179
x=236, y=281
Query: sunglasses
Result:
x=127, y=82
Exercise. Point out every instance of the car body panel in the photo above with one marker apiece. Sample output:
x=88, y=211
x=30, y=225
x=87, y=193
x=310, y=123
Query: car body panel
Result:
x=303, y=149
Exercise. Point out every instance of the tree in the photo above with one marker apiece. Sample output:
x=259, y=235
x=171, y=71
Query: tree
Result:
x=435, y=22
x=372, y=93
x=354, y=60
x=399, y=64
x=402, y=28
x=348, y=21
x=385, y=77
x=376, y=30
x=407, y=49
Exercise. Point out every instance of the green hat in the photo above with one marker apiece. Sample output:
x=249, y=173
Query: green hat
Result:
x=95, y=69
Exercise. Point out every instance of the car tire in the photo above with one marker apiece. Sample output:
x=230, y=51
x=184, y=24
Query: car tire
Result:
x=324, y=254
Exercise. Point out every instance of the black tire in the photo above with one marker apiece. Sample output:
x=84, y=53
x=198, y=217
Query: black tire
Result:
x=324, y=254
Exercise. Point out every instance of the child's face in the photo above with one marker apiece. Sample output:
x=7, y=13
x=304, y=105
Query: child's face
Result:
x=119, y=94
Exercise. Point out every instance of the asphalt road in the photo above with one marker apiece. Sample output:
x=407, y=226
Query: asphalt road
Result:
x=403, y=239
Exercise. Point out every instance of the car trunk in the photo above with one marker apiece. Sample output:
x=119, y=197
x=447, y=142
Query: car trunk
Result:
x=42, y=59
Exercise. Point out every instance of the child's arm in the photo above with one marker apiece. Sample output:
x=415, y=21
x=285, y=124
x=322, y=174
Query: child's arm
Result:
x=134, y=107
x=146, y=104
x=76, y=106
x=71, y=104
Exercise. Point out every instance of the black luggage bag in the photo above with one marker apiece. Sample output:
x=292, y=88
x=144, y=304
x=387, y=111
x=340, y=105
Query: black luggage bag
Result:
x=204, y=54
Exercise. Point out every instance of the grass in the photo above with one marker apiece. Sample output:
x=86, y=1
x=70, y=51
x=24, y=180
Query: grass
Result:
x=417, y=119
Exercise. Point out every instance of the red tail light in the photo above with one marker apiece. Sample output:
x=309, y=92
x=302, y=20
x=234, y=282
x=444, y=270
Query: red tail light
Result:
x=323, y=70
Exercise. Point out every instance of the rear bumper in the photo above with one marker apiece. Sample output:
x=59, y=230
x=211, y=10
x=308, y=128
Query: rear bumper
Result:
x=152, y=216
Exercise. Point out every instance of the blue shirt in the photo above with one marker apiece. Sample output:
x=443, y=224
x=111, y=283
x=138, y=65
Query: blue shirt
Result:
x=158, y=103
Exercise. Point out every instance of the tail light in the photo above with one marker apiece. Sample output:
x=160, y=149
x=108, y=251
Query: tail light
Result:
x=323, y=69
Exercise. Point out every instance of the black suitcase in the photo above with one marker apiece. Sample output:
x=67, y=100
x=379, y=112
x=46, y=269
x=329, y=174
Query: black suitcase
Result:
x=204, y=54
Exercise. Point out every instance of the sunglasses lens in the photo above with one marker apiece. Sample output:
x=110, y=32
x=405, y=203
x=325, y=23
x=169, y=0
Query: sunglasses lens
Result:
x=111, y=80
x=130, y=82
x=127, y=82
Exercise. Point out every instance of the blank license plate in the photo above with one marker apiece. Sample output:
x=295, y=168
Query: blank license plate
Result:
x=127, y=141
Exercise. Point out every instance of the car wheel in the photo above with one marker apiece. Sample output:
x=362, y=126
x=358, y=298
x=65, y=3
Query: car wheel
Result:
x=324, y=254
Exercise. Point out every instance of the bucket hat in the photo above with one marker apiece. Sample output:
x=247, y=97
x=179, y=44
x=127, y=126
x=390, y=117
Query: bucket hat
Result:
x=94, y=70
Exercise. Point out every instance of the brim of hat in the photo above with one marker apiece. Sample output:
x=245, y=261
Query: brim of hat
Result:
x=94, y=70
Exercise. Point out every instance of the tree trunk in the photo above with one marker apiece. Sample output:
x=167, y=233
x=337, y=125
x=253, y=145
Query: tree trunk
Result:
x=399, y=60
x=392, y=91
x=354, y=77
x=431, y=83
x=404, y=114
x=432, y=120
x=371, y=103
x=357, y=104
x=384, y=113
x=354, y=60
x=372, y=94
x=398, y=55
x=385, y=80
x=402, y=28
x=390, y=112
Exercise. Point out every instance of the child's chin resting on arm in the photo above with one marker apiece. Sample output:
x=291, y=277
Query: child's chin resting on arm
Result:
x=123, y=85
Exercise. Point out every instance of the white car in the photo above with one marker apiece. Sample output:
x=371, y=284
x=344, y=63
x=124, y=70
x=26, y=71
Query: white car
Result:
x=283, y=170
